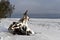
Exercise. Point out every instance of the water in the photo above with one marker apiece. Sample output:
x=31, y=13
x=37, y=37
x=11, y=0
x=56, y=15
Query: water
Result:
x=52, y=16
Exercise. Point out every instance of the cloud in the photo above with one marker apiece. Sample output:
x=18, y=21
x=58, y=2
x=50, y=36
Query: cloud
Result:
x=37, y=6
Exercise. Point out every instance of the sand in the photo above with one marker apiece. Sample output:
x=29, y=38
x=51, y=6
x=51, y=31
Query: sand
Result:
x=45, y=29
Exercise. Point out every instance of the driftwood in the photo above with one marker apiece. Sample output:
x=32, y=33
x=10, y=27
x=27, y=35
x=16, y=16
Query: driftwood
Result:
x=21, y=27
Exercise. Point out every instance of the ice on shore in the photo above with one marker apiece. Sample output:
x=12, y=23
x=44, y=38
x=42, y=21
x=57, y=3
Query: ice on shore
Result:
x=45, y=29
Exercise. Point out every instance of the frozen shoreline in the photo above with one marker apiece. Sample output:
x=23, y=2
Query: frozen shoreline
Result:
x=46, y=29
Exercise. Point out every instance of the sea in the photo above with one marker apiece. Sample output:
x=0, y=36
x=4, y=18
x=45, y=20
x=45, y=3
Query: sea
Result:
x=32, y=15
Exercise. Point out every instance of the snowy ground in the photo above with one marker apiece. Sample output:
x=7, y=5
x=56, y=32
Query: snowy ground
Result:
x=45, y=29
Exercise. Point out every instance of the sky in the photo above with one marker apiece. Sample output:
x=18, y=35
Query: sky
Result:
x=37, y=6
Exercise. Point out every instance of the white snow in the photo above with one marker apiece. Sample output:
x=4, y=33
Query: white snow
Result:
x=45, y=29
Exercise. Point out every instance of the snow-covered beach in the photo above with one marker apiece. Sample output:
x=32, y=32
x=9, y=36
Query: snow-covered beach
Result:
x=45, y=29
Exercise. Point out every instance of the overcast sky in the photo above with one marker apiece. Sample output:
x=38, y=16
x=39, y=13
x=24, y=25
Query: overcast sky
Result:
x=37, y=6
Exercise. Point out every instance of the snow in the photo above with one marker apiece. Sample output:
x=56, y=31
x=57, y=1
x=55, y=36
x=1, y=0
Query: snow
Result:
x=45, y=29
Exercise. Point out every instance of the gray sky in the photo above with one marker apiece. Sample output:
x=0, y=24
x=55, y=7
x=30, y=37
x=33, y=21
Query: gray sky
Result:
x=37, y=6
